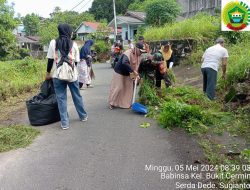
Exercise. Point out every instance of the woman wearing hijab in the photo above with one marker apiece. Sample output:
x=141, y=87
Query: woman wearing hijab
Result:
x=167, y=61
x=84, y=67
x=64, y=47
x=121, y=90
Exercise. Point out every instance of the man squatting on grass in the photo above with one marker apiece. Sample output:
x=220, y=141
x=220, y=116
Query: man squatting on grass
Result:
x=211, y=60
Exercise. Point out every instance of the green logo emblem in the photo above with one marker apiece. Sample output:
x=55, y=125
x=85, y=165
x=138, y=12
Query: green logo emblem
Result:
x=236, y=16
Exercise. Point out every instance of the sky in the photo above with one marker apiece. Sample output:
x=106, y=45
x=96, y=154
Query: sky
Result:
x=45, y=7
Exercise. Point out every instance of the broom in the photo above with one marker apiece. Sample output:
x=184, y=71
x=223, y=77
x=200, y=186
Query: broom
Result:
x=137, y=107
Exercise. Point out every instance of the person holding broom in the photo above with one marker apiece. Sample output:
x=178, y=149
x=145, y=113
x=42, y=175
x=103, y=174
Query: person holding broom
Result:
x=125, y=71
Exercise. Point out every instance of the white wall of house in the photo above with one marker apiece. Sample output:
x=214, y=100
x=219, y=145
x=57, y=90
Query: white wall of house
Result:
x=85, y=29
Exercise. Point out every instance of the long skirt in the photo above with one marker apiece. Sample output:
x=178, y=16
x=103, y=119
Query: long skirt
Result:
x=84, y=72
x=121, y=91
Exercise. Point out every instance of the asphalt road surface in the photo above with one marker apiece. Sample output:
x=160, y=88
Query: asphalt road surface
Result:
x=108, y=152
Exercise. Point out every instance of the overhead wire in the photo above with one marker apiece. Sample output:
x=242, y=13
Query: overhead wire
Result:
x=77, y=5
x=84, y=5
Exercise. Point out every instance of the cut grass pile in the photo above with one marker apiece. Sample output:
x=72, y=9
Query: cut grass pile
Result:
x=16, y=136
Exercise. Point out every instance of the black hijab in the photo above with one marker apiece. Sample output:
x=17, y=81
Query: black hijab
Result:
x=64, y=42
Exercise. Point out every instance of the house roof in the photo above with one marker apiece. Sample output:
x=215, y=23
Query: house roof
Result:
x=125, y=20
x=23, y=39
x=34, y=38
x=136, y=14
x=93, y=25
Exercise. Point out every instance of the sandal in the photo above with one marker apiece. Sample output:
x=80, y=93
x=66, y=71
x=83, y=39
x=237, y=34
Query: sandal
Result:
x=111, y=107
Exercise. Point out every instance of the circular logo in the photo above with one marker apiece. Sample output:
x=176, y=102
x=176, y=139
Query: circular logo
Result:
x=236, y=15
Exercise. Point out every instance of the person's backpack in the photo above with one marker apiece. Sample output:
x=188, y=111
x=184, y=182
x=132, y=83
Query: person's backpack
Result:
x=65, y=68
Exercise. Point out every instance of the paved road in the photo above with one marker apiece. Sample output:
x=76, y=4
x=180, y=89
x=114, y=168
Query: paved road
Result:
x=108, y=152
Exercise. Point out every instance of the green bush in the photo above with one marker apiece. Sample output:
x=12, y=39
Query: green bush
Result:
x=24, y=52
x=238, y=65
x=160, y=12
x=20, y=76
x=148, y=94
x=175, y=113
x=101, y=47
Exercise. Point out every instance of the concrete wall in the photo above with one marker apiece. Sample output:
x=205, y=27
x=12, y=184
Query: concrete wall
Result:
x=191, y=7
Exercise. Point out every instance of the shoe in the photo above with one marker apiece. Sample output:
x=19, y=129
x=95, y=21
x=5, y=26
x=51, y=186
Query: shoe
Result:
x=65, y=127
x=90, y=86
x=85, y=118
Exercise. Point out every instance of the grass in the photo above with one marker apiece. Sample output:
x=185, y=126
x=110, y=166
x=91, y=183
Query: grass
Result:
x=188, y=108
x=238, y=67
x=17, y=77
x=16, y=136
x=200, y=27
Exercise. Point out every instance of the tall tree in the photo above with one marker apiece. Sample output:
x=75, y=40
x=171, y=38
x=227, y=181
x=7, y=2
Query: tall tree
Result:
x=31, y=24
x=48, y=31
x=7, y=24
x=104, y=8
x=160, y=12
x=72, y=18
x=48, y=28
x=139, y=5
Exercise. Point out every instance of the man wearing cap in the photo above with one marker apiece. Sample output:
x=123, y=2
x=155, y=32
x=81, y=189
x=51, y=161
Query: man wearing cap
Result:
x=126, y=69
x=211, y=60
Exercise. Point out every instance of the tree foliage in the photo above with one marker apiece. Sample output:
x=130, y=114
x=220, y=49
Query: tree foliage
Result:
x=7, y=24
x=72, y=18
x=102, y=32
x=31, y=24
x=48, y=28
x=160, y=12
x=139, y=5
x=104, y=8
x=48, y=31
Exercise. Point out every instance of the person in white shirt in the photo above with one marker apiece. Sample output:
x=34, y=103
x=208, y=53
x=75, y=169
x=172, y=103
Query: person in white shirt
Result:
x=61, y=48
x=211, y=60
x=130, y=44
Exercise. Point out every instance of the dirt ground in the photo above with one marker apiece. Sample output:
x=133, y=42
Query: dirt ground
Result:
x=13, y=108
x=188, y=75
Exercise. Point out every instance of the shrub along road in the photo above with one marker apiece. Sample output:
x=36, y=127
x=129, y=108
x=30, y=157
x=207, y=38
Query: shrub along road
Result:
x=109, y=151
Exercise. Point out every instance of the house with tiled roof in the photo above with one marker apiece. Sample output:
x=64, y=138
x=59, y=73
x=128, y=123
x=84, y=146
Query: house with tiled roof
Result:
x=86, y=28
x=129, y=23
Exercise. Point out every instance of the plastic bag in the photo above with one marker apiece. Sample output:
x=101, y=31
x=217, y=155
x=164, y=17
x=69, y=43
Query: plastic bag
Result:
x=43, y=108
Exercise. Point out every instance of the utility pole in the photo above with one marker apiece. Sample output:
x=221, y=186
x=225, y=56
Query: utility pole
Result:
x=115, y=20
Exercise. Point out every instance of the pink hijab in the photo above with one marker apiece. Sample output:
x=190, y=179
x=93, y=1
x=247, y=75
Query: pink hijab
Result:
x=134, y=58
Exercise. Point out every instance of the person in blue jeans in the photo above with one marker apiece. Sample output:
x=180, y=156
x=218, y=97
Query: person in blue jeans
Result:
x=63, y=46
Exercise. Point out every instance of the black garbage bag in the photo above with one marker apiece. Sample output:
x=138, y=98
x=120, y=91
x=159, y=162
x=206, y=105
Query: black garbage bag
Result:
x=43, y=108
